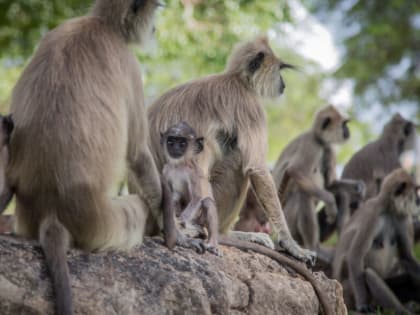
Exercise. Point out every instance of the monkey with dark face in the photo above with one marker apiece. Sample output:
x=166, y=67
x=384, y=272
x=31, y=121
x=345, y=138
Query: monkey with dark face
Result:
x=186, y=191
x=377, y=159
x=225, y=109
x=303, y=172
x=376, y=248
x=6, y=192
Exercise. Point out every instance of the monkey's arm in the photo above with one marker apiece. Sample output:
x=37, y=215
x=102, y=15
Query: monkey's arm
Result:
x=169, y=227
x=329, y=163
x=359, y=248
x=309, y=186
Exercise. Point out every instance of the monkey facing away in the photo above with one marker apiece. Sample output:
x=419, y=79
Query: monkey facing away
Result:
x=377, y=159
x=303, y=171
x=224, y=109
x=374, y=260
x=186, y=192
x=80, y=127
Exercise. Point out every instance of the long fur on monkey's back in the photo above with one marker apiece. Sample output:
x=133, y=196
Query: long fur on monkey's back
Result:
x=70, y=137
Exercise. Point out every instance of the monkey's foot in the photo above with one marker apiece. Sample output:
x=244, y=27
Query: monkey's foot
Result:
x=213, y=249
x=305, y=255
x=192, y=243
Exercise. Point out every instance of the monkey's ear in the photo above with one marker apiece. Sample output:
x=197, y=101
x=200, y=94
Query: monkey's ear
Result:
x=199, y=144
x=408, y=128
x=8, y=123
x=256, y=62
x=325, y=123
x=400, y=189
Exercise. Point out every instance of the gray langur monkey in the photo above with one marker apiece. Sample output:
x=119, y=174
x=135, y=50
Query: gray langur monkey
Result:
x=304, y=170
x=374, y=258
x=225, y=109
x=80, y=128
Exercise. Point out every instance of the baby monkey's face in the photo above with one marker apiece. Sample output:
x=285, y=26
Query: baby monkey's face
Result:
x=177, y=146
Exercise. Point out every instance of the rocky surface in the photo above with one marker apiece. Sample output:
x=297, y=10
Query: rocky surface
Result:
x=154, y=280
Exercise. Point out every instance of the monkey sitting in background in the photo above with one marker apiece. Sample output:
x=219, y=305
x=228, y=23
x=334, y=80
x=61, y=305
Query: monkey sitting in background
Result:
x=374, y=258
x=377, y=159
x=6, y=192
x=252, y=217
x=303, y=172
x=186, y=191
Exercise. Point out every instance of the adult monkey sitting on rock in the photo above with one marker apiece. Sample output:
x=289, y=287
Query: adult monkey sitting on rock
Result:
x=224, y=109
x=80, y=127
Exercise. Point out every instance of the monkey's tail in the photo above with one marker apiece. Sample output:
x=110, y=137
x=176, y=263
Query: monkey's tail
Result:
x=55, y=240
x=282, y=259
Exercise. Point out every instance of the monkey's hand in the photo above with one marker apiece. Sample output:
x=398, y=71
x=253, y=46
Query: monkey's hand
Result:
x=290, y=246
x=331, y=211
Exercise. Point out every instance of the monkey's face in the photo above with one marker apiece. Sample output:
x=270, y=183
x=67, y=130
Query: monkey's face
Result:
x=176, y=146
x=331, y=126
x=259, y=67
x=400, y=187
x=402, y=129
x=180, y=141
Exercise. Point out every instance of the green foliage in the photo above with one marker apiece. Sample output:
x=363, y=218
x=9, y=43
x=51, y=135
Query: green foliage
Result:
x=382, y=51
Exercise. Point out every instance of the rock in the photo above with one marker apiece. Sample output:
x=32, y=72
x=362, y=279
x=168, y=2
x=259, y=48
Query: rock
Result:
x=154, y=280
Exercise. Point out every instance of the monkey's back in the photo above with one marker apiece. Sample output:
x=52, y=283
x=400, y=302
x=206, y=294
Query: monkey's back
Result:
x=70, y=133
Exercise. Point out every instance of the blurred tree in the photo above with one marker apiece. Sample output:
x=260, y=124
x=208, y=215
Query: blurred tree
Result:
x=382, y=47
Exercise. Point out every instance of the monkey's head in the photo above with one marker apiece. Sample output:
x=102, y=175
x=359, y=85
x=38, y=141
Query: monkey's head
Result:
x=180, y=142
x=7, y=126
x=402, y=130
x=257, y=66
x=330, y=126
x=399, y=188
x=132, y=19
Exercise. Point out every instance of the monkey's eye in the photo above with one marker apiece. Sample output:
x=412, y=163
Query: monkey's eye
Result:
x=182, y=143
x=170, y=142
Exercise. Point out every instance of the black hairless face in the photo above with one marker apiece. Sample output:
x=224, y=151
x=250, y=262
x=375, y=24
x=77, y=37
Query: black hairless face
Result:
x=346, y=130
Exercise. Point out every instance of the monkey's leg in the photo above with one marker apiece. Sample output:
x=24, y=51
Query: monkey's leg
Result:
x=144, y=180
x=122, y=222
x=212, y=223
x=382, y=293
x=265, y=189
x=255, y=237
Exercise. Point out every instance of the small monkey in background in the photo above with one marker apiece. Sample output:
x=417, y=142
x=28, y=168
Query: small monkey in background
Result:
x=252, y=217
x=303, y=172
x=374, y=258
x=186, y=191
x=377, y=159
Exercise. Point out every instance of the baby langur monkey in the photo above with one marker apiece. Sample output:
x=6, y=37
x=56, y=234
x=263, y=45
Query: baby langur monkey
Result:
x=374, y=258
x=6, y=192
x=186, y=192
